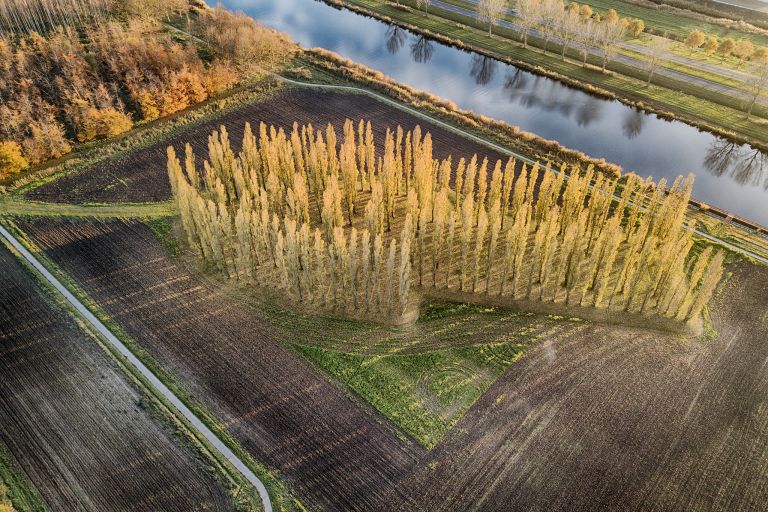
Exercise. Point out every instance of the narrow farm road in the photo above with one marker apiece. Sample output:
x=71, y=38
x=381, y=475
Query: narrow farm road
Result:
x=154, y=381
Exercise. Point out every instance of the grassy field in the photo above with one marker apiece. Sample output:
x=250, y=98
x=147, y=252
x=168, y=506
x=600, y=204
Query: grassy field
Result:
x=691, y=104
x=15, y=206
x=425, y=379
x=424, y=394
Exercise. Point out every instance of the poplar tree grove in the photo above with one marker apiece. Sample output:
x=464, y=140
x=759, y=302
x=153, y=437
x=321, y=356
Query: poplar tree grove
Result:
x=337, y=224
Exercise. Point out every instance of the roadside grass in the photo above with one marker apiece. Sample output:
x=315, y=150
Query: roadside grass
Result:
x=163, y=230
x=700, y=56
x=16, y=492
x=243, y=492
x=709, y=109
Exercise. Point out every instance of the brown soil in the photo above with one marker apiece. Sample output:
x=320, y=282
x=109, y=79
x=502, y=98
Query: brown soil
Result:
x=334, y=452
x=594, y=417
x=141, y=176
x=617, y=419
x=73, y=422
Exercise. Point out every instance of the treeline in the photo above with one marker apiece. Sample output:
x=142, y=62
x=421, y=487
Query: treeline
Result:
x=342, y=224
x=575, y=26
x=26, y=16
x=97, y=80
x=710, y=44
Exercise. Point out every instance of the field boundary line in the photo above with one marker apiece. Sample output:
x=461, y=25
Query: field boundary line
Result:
x=152, y=380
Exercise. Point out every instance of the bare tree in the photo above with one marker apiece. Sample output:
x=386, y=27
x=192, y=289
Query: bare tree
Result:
x=609, y=33
x=526, y=11
x=585, y=38
x=548, y=15
x=757, y=82
x=570, y=23
x=657, y=48
x=491, y=11
x=424, y=4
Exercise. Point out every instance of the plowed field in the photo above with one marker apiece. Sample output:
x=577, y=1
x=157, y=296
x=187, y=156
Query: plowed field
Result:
x=594, y=417
x=73, y=422
x=141, y=176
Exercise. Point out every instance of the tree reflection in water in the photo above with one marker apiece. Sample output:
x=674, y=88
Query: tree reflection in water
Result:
x=515, y=80
x=395, y=39
x=588, y=112
x=422, y=49
x=742, y=163
x=483, y=69
x=634, y=120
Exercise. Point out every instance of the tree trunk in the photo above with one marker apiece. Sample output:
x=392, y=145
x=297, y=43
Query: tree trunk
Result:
x=752, y=105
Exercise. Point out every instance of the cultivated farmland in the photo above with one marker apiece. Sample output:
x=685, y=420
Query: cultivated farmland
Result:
x=141, y=175
x=592, y=415
x=335, y=452
x=619, y=419
x=75, y=425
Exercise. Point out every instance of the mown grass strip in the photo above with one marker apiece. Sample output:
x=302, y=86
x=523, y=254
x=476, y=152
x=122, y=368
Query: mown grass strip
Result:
x=16, y=206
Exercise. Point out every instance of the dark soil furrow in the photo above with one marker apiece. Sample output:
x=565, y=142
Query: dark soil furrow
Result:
x=75, y=425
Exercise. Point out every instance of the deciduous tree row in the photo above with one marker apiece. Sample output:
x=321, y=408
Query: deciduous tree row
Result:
x=340, y=222
x=96, y=80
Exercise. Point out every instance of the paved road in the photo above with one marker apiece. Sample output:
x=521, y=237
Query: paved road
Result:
x=154, y=382
x=631, y=61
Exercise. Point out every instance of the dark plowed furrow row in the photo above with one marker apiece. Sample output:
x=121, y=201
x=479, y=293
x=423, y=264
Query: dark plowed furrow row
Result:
x=141, y=176
x=76, y=427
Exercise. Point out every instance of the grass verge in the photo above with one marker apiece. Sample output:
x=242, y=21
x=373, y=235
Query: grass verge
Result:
x=424, y=393
x=16, y=492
